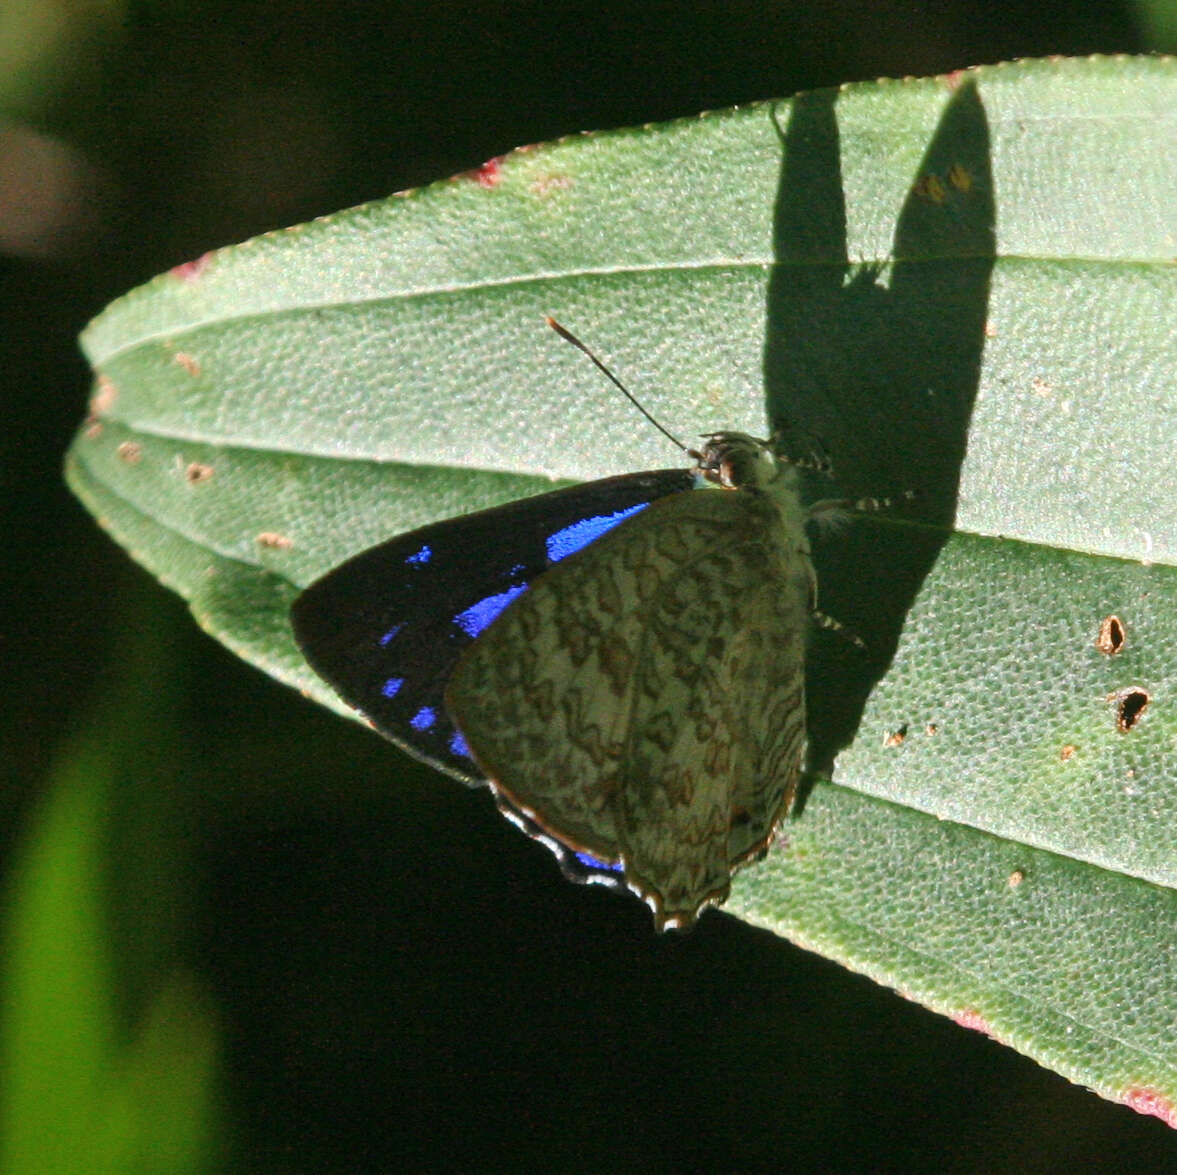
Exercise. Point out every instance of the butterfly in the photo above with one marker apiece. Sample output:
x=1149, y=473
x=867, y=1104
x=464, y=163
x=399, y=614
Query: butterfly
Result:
x=623, y=661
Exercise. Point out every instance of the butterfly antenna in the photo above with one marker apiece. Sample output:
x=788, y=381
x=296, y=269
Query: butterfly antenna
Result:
x=566, y=334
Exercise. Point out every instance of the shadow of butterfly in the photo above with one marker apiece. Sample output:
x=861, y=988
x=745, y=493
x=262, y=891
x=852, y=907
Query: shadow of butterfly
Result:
x=623, y=661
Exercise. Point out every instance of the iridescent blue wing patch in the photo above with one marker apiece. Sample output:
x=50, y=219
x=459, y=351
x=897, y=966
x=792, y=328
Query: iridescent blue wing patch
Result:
x=386, y=628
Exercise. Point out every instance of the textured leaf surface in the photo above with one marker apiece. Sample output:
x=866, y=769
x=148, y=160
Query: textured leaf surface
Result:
x=964, y=286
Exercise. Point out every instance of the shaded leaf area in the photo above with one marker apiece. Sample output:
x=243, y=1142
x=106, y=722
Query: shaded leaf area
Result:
x=960, y=287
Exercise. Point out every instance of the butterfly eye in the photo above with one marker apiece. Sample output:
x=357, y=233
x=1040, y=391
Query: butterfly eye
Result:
x=735, y=461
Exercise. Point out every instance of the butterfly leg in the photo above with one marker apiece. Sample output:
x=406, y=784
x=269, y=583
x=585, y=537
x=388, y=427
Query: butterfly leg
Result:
x=817, y=461
x=831, y=510
x=822, y=620
x=835, y=506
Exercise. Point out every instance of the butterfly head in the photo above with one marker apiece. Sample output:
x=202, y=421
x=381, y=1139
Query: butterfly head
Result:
x=736, y=461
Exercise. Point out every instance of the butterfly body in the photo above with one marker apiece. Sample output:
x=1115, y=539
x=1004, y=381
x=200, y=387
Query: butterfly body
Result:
x=636, y=701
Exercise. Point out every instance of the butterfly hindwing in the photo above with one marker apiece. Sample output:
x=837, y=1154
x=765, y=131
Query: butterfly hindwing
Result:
x=386, y=628
x=644, y=701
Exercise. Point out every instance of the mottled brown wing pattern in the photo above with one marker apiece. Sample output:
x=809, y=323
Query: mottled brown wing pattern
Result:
x=643, y=701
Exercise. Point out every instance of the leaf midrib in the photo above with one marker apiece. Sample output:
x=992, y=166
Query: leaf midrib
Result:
x=195, y=325
x=237, y=445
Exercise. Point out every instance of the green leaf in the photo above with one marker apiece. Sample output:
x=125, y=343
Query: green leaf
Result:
x=964, y=286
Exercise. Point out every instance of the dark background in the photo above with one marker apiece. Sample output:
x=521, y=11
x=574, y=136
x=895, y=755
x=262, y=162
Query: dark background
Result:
x=401, y=981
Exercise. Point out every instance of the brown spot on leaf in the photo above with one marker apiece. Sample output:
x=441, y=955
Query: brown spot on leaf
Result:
x=1131, y=703
x=960, y=177
x=1067, y=752
x=545, y=185
x=130, y=452
x=930, y=187
x=895, y=738
x=186, y=362
x=189, y=271
x=198, y=472
x=971, y=1018
x=105, y=394
x=489, y=174
x=1111, y=636
x=1151, y=1101
x=274, y=541
x=1015, y=879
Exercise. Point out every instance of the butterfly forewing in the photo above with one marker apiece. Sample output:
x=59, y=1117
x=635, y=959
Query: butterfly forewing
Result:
x=643, y=702
x=386, y=628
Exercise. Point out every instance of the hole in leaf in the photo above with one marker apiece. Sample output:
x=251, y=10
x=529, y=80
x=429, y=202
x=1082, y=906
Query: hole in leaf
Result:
x=1111, y=636
x=1130, y=705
